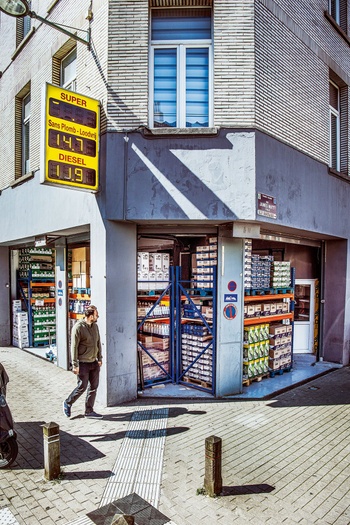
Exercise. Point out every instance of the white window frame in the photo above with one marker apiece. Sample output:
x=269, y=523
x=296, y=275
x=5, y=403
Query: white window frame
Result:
x=71, y=84
x=25, y=134
x=181, y=77
x=336, y=113
x=335, y=15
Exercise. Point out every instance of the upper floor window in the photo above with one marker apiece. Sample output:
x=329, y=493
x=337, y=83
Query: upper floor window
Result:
x=23, y=26
x=334, y=126
x=26, y=110
x=181, y=68
x=22, y=132
x=338, y=124
x=338, y=10
x=69, y=70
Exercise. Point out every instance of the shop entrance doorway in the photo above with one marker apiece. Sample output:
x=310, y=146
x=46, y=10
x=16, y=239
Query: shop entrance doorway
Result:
x=177, y=335
x=177, y=318
x=305, y=314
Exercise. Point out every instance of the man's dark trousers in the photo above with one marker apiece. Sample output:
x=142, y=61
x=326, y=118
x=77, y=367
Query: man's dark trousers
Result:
x=88, y=377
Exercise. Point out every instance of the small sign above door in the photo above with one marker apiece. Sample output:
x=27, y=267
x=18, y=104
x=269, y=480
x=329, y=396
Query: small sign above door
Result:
x=267, y=206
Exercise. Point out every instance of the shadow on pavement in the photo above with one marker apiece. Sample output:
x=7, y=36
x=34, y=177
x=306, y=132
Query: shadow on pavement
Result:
x=74, y=450
x=331, y=389
x=246, y=489
x=87, y=474
x=145, y=415
x=137, y=434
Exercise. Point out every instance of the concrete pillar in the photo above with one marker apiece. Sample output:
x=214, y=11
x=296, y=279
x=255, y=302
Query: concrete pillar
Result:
x=230, y=314
x=5, y=308
x=61, y=304
x=51, y=451
x=336, y=306
x=113, y=291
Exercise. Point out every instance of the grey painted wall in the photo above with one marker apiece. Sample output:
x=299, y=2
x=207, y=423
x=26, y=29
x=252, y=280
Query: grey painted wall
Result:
x=32, y=209
x=311, y=199
x=181, y=178
x=308, y=197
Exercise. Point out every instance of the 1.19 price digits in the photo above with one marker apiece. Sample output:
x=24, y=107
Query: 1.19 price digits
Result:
x=69, y=173
x=68, y=142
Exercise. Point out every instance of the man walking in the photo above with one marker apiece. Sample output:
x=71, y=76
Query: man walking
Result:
x=87, y=360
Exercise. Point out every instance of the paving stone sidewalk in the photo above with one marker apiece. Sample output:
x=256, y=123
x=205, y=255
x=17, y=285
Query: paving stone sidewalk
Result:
x=285, y=460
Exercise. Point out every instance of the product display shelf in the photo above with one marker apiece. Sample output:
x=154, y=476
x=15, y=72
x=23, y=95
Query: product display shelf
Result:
x=39, y=334
x=268, y=319
x=264, y=298
x=78, y=302
x=272, y=348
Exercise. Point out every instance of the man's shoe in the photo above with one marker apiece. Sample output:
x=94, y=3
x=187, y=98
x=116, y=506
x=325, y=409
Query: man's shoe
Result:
x=94, y=415
x=66, y=409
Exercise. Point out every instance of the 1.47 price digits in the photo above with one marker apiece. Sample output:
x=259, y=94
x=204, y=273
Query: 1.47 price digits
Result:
x=68, y=142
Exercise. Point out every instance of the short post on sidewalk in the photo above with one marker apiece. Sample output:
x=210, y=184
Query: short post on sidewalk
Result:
x=212, y=478
x=52, y=465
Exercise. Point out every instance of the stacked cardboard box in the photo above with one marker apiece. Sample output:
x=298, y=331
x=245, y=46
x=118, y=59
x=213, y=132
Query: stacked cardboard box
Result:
x=206, y=258
x=20, y=337
x=255, y=350
x=158, y=348
x=247, y=264
x=280, y=346
x=194, y=339
x=280, y=274
x=81, y=268
x=152, y=270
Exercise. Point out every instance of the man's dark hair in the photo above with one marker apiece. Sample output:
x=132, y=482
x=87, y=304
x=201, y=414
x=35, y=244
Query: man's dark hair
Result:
x=90, y=310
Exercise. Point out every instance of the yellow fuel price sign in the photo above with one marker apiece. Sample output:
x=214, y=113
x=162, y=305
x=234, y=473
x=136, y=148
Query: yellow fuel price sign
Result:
x=70, y=142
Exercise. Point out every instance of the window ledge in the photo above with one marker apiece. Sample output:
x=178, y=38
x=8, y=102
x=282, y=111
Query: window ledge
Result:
x=149, y=132
x=22, y=179
x=339, y=174
x=23, y=43
x=337, y=27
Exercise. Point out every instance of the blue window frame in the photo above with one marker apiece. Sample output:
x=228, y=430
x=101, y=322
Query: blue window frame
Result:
x=181, y=48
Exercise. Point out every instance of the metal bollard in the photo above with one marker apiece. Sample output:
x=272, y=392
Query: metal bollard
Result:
x=212, y=478
x=52, y=465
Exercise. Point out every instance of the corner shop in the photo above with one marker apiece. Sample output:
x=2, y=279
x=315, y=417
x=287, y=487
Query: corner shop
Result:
x=183, y=365
x=188, y=251
x=113, y=251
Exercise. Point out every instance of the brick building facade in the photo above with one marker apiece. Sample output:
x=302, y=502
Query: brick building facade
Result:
x=270, y=127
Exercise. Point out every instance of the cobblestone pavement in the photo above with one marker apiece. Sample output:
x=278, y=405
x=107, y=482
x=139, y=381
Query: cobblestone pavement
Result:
x=285, y=460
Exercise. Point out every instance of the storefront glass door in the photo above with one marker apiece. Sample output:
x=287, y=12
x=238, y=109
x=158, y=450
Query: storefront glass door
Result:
x=304, y=312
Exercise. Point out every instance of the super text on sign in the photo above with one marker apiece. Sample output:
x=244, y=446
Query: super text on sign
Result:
x=71, y=145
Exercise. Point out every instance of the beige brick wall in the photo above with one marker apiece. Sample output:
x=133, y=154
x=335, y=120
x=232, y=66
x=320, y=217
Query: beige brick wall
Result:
x=234, y=63
x=34, y=63
x=271, y=68
x=291, y=87
x=296, y=46
x=128, y=64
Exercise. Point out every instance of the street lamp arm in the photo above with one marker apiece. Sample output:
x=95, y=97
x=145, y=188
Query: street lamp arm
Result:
x=62, y=29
